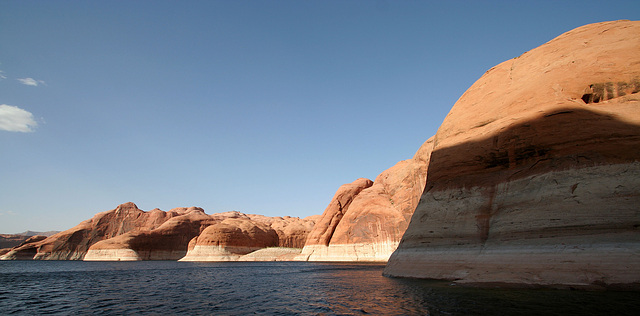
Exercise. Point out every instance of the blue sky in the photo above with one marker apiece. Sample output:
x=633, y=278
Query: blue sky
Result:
x=264, y=107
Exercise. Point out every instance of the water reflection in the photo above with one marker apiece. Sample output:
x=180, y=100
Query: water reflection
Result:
x=284, y=288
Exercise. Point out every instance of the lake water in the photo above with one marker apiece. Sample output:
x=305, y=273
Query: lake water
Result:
x=271, y=288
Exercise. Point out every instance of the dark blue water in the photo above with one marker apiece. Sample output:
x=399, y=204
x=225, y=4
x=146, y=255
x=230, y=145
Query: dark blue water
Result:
x=269, y=288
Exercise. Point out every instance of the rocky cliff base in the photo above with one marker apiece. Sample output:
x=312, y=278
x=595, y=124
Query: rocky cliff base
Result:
x=569, y=240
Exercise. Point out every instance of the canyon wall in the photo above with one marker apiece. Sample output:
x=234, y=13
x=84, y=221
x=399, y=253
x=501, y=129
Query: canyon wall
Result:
x=365, y=220
x=535, y=171
x=73, y=244
x=128, y=233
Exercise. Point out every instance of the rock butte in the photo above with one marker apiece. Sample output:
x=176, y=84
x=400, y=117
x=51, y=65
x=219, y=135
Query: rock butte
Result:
x=535, y=171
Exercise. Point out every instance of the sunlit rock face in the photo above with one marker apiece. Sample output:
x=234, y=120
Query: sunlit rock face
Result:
x=230, y=239
x=196, y=236
x=74, y=243
x=166, y=242
x=245, y=237
x=535, y=171
x=128, y=233
x=365, y=220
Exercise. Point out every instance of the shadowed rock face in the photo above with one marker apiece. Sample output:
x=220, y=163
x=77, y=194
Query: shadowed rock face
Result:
x=128, y=233
x=24, y=240
x=535, y=172
x=365, y=220
x=10, y=240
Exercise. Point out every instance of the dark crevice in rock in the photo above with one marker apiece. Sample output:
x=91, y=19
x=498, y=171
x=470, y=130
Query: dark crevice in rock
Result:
x=603, y=91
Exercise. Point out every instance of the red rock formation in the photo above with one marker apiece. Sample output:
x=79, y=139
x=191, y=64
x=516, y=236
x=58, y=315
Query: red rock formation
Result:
x=324, y=229
x=229, y=239
x=365, y=220
x=128, y=233
x=167, y=242
x=25, y=255
x=534, y=172
x=241, y=234
x=196, y=236
x=292, y=231
x=10, y=240
x=73, y=243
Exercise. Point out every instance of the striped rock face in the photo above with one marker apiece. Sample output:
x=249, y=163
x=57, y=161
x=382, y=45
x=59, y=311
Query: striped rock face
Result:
x=535, y=173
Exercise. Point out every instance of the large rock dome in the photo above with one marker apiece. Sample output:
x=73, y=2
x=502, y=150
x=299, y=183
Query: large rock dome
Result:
x=535, y=171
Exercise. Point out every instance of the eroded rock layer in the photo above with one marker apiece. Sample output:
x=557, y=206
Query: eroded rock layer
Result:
x=166, y=242
x=246, y=238
x=535, y=172
x=365, y=220
x=230, y=239
x=128, y=233
x=74, y=243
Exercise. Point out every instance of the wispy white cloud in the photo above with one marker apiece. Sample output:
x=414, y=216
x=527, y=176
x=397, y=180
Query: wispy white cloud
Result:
x=15, y=119
x=2, y=76
x=31, y=82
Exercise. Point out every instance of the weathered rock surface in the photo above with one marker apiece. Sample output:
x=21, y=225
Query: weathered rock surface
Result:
x=272, y=254
x=128, y=233
x=534, y=173
x=365, y=220
x=242, y=234
x=196, y=236
x=25, y=240
x=74, y=243
x=166, y=242
x=10, y=240
x=230, y=239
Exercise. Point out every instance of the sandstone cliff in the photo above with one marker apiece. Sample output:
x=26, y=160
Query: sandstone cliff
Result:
x=24, y=240
x=10, y=240
x=365, y=220
x=165, y=242
x=128, y=233
x=196, y=236
x=74, y=243
x=535, y=171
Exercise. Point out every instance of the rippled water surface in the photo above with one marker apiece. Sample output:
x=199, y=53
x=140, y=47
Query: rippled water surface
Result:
x=270, y=288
